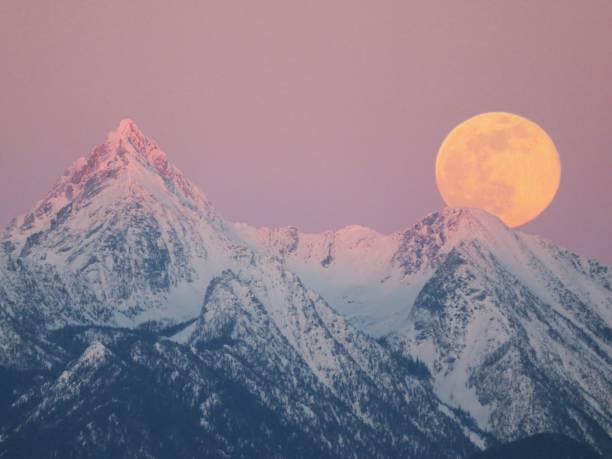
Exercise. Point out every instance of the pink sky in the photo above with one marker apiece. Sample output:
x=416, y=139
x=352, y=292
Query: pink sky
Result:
x=317, y=114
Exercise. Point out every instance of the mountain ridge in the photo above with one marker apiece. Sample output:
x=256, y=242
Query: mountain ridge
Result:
x=128, y=251
x=99, y=284
x=458, y=290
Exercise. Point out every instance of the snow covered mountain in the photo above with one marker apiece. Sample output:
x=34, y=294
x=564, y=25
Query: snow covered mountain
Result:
x=137, y=322
x=131, y=312
x=126, y=231
x=514, y=329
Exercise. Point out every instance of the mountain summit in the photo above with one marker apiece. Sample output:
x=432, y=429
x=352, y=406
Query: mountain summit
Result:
x=128, y=162
x=122, y=230
x=144, y=315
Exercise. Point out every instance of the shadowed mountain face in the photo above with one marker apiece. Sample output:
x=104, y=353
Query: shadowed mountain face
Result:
x=540, y=446
x=137, y=322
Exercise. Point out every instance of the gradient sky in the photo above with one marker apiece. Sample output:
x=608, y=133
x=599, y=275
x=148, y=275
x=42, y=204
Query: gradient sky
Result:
x=317, y=114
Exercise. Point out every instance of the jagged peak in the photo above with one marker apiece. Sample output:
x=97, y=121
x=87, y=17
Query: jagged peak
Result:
x=125, y=149
x=127, y=125
x=127, y=162
x=460, y=219
x=127, y=128
x=128, y=138
x=121, y=148
x=439, y=232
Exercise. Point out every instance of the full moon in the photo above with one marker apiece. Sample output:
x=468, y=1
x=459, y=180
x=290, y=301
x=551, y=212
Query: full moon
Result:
x=500, y=162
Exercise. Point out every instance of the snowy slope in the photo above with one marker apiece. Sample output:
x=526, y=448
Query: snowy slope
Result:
x=514, y=329
x=124, y=248
x=119, y=256
x=129, y=236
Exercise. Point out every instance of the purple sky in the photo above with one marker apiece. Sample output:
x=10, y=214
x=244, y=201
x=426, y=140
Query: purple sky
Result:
x=312, y=113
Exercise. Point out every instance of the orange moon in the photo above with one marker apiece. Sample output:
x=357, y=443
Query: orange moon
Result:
x=500, y=162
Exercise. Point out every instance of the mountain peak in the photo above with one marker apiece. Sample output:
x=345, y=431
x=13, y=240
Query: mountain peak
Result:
x=127, y=138
x=128, y=163
x=127, y=124
x=460, y=222
x=439, y=232
x=126, y=129
x=465, y=215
